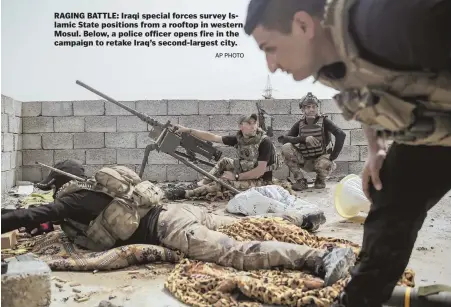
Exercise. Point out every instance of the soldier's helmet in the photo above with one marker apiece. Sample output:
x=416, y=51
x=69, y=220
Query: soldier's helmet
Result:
x=308, y=99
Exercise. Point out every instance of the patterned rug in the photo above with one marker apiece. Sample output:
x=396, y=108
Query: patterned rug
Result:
x=205, y=284
x=61, y=254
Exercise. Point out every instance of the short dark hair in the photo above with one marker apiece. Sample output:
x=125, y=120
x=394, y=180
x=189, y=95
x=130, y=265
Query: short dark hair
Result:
x=278, y=14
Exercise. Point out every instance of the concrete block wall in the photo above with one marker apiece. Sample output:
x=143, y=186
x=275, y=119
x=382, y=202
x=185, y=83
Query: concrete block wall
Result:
x=100, y=133
x=11, y=142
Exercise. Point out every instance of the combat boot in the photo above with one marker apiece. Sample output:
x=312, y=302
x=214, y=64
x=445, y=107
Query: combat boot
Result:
x=320, y=183
x=300, y=185
x=336, y=265
x=312, y=221
x=175, y=193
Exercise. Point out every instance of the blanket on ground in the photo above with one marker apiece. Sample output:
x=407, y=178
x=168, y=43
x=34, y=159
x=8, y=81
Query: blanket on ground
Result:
x=204, y=284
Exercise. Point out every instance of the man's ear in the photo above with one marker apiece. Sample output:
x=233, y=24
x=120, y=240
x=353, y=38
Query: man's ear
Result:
x=304, y=22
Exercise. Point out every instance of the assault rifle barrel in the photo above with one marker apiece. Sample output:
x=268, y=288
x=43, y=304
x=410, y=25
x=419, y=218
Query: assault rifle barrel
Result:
x=61, y=172
x=142, y=116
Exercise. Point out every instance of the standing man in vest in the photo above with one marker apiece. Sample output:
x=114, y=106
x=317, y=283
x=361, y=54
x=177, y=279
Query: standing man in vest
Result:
x=257, y=158
x=307, y=145
x=391, y=63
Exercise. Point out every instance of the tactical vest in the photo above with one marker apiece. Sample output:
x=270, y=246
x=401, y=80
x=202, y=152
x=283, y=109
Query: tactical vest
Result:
x=316, y=130
x=132, y=199
x=247, y=151
x=410, y=107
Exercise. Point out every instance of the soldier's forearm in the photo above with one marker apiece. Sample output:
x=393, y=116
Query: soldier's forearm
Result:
x=252, y=174
x=374, y=142
x=206, y=136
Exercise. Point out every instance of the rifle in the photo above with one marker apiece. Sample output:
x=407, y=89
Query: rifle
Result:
x=262, y=114
x=425, y=296
x=167, y=140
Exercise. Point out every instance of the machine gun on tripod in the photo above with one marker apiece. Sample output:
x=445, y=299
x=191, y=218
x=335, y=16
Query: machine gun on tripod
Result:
x=167, y=140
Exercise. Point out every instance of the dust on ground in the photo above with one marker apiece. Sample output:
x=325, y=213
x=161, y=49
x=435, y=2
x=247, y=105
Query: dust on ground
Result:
x=144, y=285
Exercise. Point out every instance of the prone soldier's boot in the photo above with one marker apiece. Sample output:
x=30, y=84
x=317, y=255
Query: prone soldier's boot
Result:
x=336, y=264
x=300, y=185
x=320, y=183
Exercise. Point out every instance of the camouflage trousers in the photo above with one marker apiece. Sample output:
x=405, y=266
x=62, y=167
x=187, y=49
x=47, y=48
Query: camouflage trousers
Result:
x=210, y=186
x=193, y=231
x=322, y=166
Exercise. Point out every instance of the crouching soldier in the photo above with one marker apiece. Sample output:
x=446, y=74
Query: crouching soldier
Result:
x=257, y=158
x=308, y=145
x=114, y=208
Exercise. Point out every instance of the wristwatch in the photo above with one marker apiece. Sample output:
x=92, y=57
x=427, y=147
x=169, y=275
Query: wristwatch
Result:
x=237, y=176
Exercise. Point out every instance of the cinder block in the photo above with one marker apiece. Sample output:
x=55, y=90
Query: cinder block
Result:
x=31, y=108
x=130, y=123
x=6, y=161
x=135, y=156
x=163, y=120
x=100, y=123
x=8, y=142
x=101, y=156
x=31, y=156
x=284, y=122
x=14, y=124
x=153, y=173
x=17, y=141
x=183, y=107
x=4, y=190
x=89, y=107
x=152, y=107
x=91, y=169
x=75, y=154
x=295, y=106
x=89, y=140
x=214, y=107
x=57, y=141
x=10, y=179
x=224, y=122
x=16, y=159
x=5, y=122
x=349, y=153
x=69, y=124
x=17, y=108
x=32, y=173
x=363, y=153
x=120, y=140
x=143, y=139
x=240, y=107
x=201, y=122
x=276, y=106
x=26, y=283
x=37, y=124
x=180, y=172
x=8, y=102
x=347, y=139
x=31, y=141
x=112, y=109
x=328, y=106
x=13, y=160
x=206, y=168
x=356, y=167
x=57, y=108
x=341, y=170
x=340, y=121
x=358, y=137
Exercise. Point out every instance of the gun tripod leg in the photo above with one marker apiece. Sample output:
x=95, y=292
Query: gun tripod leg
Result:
x=147, y=151
x=195, y=167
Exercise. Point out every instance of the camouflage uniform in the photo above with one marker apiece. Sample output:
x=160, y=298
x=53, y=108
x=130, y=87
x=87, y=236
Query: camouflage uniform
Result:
x=210, y=186
x=247, y=150
x=193, y=231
